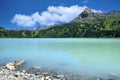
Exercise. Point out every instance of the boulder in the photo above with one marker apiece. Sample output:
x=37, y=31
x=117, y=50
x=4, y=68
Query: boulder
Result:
x=18, y=63
x=15, y=64
x=10, y=66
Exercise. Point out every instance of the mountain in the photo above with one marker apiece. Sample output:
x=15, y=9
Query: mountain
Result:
x=87, y=24
x=87, y=16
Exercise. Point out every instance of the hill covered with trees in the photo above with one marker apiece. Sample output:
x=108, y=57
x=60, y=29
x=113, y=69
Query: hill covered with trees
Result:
x=87, y=24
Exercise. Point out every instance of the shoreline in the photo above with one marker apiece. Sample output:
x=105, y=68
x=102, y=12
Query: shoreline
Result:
x=11, y=71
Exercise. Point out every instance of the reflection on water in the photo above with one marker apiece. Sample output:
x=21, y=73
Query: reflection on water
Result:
x=92, y=56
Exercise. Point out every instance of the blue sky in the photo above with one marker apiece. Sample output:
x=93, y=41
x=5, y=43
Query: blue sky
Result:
x=28, y=14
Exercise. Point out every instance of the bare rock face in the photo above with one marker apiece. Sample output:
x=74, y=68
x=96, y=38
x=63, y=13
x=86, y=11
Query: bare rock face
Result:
x=15, y=64
x=86, y=13
x=87, y=10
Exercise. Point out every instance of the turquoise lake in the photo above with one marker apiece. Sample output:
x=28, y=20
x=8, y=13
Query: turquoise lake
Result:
x=91, y=56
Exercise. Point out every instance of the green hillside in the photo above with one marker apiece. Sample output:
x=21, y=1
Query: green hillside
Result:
x=87, y=24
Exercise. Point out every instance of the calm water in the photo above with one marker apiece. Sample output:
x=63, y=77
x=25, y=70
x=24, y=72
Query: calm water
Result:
x=94, y=56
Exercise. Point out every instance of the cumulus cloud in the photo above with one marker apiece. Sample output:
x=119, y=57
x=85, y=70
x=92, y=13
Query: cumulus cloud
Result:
x=23, y=20
x=53, y=15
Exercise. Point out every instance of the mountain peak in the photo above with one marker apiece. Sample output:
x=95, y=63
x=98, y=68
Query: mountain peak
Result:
x=87, y=10
x=88, y=16
x=86, y=13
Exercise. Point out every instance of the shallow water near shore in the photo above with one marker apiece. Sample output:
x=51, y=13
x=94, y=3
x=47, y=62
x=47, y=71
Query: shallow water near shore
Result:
x=87, y=56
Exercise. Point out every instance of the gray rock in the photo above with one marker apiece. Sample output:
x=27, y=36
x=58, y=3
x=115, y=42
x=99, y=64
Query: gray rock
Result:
x=110, y=79
x=13, y=65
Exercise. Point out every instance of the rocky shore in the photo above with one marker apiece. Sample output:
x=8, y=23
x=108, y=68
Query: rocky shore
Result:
x=10, y=71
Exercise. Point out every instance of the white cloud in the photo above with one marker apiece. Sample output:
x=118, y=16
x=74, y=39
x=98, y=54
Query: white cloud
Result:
x=95, y=11
x=23, y=20
x=52, y=16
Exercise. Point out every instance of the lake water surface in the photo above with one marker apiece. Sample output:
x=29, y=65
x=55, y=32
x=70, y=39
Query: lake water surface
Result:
x=93, y=56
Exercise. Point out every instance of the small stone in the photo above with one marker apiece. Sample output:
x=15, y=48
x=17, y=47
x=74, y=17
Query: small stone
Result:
x=23, y=71
x=37, y=73
x=47, y=77
x=42, y=78
x=110, y=79
x=60, y=76
x=99, y=79
x=29, y=75
x=16, y=75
